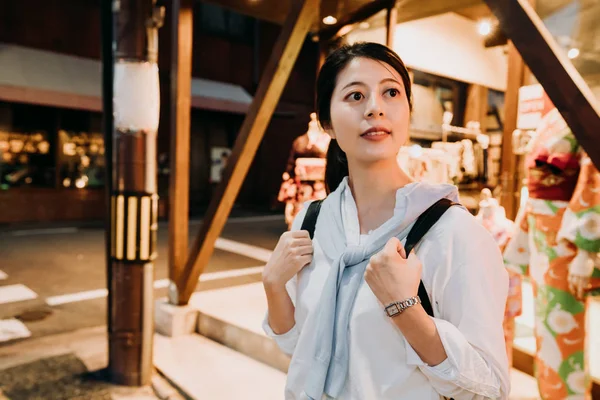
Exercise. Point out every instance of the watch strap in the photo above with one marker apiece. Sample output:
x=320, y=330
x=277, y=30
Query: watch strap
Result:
x=398, y=307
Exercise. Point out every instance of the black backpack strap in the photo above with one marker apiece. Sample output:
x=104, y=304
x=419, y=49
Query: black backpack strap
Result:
x=310, y=219
x=419, y=229
x=425, y=222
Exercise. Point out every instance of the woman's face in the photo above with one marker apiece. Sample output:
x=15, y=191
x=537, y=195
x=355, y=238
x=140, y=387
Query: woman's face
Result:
x=370, y=113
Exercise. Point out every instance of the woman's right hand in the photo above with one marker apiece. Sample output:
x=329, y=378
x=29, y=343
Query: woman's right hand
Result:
x=293, y=252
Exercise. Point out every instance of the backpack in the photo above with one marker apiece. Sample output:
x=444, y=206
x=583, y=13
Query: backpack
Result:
x=419, y=229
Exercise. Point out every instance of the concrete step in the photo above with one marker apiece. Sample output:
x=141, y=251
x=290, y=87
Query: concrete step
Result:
x=205, y=370
x=233, y=317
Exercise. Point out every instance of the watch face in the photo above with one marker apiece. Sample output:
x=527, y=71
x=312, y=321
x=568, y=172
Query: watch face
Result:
x=392, y=310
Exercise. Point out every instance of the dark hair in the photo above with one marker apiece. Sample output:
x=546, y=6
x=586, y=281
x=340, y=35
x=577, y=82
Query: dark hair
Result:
x=337, y=163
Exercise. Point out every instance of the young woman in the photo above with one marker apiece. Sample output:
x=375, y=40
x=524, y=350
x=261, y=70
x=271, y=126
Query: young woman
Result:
x=327, y=296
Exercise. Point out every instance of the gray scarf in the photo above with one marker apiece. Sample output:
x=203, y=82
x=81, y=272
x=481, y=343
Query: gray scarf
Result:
x=329, y=369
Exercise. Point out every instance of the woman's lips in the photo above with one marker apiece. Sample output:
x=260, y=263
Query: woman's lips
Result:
x=375, y=134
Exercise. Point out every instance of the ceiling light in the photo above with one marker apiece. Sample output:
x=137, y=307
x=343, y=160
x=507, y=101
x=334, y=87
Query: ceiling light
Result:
x=484, y=27
x=573, y=53
x=330, y=20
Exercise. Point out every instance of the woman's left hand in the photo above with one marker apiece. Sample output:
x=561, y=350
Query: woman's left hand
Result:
x=391, y=276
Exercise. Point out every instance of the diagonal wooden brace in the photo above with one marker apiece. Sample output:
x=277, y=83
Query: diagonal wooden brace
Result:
x=302, y=15
x=563, y=83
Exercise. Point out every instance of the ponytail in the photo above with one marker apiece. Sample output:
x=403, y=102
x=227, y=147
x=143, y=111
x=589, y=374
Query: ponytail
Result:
x=337, y=166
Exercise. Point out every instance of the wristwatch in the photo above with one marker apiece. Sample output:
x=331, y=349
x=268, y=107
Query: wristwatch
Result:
x=398, y=307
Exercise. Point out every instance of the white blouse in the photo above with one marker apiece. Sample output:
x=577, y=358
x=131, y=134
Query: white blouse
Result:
x=467, y=284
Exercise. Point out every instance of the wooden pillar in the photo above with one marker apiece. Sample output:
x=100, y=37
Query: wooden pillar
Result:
x=179, y=116
x=477, y=105
x=274, y=78
x=108, y=39
x=508, y=175
x=391, y=20
x=133, y=193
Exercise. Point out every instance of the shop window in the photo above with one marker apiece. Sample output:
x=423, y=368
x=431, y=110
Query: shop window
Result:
x=47, y=147
x=81, y=150
x=26, y=146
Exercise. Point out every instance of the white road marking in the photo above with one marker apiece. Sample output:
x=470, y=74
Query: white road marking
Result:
x=213, y=276
x=232, y=246
x=75, y=297
x=50, y=231
x=258, y=253
x=3, y=275
x=11, y=329
x=12, y=293
x=159, y=284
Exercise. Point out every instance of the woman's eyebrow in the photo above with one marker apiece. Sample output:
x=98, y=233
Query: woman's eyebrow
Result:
x=353, y=84
x=390, y=80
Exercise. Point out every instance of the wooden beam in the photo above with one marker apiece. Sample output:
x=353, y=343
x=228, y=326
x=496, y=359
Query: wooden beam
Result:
x=495, y=38
x=410, y=10
x=180, y=107
x=508, y=168
x=44, y=97
x=364, y=12
x=272, y=11
x=390, y=24
x=274, y=78
x=561, y=81
x=407, y=10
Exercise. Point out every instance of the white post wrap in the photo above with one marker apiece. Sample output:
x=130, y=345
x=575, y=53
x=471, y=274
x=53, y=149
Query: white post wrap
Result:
x=136, y=96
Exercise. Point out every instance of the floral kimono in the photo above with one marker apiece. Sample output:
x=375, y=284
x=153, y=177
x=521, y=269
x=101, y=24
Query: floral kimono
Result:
x=558, y=233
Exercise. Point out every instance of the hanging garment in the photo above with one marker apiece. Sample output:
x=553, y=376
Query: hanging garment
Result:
x=558, y=233
x=305, y=180
x=493, y=217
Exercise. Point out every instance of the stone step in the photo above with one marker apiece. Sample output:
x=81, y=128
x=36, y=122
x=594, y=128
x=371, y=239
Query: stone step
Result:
x=203, y=369
x=233, y=317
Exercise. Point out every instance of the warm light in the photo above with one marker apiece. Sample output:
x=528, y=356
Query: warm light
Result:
x=80, y=183
x=573, y=53
x=364, y=25
x=329, y=20
x=67, y=182
x=484, y=27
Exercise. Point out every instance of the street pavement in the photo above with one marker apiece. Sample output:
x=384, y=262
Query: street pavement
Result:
x=53, y=280
x=53, y=293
